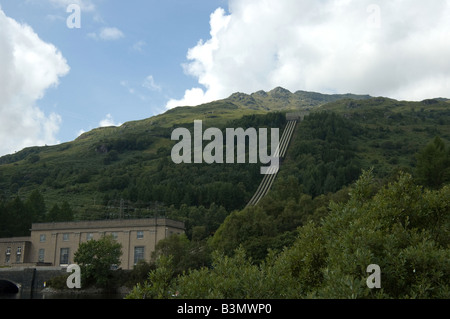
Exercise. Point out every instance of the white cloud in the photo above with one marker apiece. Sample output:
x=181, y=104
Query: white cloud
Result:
x=107, y=34
x=192, y=97
x=28, y=67
x=128, y=87
x=80, y=132
x=139, y=46
x=136, y=88
x=55, y=17
x=85, y=5
x=150, y=84
x=394, y=48
x=111, y=34
x=108, y=121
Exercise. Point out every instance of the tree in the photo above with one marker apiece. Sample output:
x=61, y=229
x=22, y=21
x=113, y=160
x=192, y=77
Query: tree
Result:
x=402, y=228
x=433, y=164
x=54, y=213
x=35, y=204
x=185, y=254
x=5, y=219
x=159, y=284
x=20, y=218
x=252, y=228
x=60, y=214
x=96, y=258
x=66, y=212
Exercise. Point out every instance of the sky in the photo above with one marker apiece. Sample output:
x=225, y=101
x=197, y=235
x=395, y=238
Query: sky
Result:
x=69, y=66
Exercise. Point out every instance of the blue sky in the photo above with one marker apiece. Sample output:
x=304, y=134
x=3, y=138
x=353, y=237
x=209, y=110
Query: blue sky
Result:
x=134, y=59
x=128, y=78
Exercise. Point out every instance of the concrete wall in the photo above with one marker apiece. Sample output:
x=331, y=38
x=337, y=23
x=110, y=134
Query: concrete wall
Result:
x=30, y=280
x=14, y=251
x=50, y=238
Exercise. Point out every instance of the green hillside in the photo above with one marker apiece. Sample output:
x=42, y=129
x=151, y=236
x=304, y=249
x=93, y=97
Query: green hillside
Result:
x=365, y=180
x=108, y=164
x=127, y=171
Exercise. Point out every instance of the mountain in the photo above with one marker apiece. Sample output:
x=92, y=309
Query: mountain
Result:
x=282, y=99
x=364, y=182
x=128, y=171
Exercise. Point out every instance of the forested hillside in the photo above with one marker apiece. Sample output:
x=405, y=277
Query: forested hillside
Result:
x=127, y=171
x=402, y=228
x=364, y=181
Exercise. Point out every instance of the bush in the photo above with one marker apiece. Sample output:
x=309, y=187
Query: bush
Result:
x=402, y=228
x=59, y=282
x=96, y=258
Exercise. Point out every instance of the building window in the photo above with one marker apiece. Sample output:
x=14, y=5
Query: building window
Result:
x=42, y=238
x=41, y=255
x=64, y=256
x=7, y=254
x=65, y=237
x=89, y=236
x=138, y=254
x=140, y=234
x=18, y=254
x=114, y=234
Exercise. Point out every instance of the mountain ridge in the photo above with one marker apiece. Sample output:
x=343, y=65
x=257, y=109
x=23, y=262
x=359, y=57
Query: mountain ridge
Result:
x=277, y=99
x=282, y=99
x=133, y=161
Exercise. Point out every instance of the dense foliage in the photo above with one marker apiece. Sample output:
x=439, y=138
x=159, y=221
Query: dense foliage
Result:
x=313, y=235
x=325, y=153
x=16, y=216
x=403, y=228
x=433, y=164
x=96, y=257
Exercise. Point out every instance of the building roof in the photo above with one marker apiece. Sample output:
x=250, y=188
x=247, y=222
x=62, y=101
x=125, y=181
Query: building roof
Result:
x=112, y=223
x=15, y=239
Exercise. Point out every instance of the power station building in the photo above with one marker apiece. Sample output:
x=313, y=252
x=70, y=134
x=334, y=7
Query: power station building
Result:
x=54, y=244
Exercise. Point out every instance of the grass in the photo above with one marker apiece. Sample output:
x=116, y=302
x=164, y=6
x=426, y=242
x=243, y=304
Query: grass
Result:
x=393, y=131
